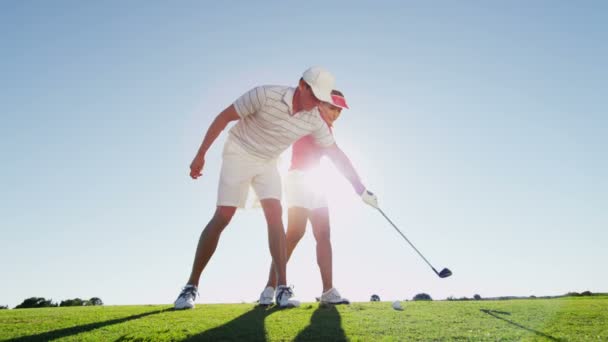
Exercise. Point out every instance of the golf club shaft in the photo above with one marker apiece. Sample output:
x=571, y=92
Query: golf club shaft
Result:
x=406, y=239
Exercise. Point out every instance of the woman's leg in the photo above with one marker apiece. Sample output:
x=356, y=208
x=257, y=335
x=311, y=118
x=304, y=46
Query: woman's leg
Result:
x=319, y=219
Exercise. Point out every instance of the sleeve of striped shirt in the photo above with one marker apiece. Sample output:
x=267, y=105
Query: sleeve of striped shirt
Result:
x=322, y=135
x=250, y=102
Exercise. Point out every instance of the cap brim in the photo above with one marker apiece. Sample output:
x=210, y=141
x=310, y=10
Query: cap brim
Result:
x=324, y=96
x=339, y=101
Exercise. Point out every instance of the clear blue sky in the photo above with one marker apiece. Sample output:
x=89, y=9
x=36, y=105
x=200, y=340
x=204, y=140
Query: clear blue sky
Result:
x=482, y=127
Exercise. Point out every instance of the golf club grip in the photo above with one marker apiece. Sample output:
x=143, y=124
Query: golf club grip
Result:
x=406, y=239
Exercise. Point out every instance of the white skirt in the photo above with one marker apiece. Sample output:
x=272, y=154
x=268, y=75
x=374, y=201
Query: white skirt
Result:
x=304, y=190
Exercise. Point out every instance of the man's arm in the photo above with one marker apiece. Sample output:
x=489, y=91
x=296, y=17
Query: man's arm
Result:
x=217, y=126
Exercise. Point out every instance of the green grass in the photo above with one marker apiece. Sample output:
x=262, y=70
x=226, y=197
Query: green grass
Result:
x=563, y=319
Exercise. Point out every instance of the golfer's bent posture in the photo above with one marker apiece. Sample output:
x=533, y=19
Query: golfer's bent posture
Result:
x=270, y=119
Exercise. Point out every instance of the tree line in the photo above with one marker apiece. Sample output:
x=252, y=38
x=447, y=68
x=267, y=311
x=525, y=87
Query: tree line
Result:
x=426, y=296
x=41, y=302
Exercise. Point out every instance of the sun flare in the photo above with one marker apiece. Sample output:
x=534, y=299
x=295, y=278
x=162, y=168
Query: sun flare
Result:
x=324, y=180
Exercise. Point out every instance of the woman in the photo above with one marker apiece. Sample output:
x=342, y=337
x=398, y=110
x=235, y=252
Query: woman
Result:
x=305, y=204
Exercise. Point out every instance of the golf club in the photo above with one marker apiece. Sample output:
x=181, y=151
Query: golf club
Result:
x=444, y=272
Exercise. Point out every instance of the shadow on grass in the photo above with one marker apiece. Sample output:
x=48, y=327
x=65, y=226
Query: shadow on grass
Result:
x=325, y=325
x=59, y=333
x=495, y=314
x=247, y=327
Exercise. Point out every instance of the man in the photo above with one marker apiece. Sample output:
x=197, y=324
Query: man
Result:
x=270, y=119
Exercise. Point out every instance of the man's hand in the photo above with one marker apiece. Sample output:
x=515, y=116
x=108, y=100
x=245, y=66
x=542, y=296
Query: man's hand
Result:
x=217, y=126
x=369, y=198
x=196, y=167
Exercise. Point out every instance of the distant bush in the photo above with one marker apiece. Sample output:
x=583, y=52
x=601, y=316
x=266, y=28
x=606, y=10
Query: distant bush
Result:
x=375, y=298
x=477, y=297
x=422, y=296
x=72, y=302
x=36, y=302
x=3, y=307
x=94, y=301
x=80, y=302
x=450, y=298
x=573, y=294
x=587, y=293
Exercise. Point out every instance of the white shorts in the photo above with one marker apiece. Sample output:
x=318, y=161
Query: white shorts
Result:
x=302, y=190
x=240, y=170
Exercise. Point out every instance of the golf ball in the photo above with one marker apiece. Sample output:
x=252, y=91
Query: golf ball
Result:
x=397, y=305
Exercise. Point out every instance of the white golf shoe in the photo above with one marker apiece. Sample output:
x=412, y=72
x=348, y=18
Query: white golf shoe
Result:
x=267, y=296
x=283, y=297
x=332, y=296
x=186, y=298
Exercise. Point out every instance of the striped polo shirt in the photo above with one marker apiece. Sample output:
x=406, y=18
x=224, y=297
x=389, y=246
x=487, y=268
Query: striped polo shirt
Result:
x=268, y=125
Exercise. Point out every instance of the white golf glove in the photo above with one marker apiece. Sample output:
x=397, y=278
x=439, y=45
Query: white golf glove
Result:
x=369, y=198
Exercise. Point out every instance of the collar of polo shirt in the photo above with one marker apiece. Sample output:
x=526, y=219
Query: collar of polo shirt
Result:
x=288, y=99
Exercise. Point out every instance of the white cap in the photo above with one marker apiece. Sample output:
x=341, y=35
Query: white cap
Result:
x=321, y=81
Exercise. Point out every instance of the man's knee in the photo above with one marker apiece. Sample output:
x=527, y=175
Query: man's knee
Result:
x=294, y=236
x=273, y=212
x=223, y=215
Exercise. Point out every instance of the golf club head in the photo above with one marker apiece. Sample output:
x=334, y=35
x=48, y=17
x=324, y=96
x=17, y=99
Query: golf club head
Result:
x=445, y=273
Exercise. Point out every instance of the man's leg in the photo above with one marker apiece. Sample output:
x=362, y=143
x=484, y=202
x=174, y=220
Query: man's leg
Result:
x=208, y=241
x=319, y=219
x=276, y=237
x=276, y=242
x=296, y=226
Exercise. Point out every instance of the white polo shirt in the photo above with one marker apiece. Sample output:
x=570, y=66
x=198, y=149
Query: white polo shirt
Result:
x=268, y=125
